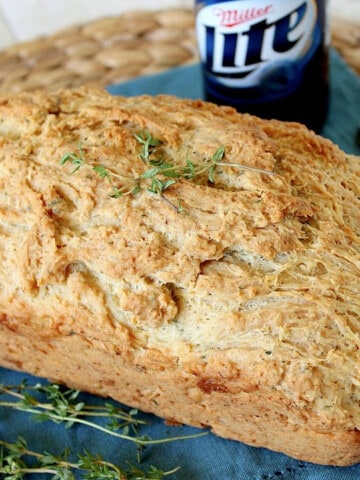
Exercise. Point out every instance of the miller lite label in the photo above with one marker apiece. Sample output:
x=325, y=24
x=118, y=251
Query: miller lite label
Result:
x=257, y=51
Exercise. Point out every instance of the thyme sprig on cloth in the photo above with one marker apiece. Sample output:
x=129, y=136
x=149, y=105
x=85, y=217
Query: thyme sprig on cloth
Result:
x=14, y=465
x=51, y=402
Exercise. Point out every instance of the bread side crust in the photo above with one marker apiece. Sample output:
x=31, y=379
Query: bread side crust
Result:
x=257, y=417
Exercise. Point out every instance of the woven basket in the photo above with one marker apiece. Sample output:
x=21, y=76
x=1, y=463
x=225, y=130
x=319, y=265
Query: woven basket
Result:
x=115, y=49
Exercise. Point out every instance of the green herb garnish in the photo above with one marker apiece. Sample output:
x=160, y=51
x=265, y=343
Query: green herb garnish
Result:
x=51, y=402
x=160, y=174
x=15, y=465
x=149, y=143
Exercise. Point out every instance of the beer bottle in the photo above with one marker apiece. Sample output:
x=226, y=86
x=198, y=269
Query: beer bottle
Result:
x=266, y=57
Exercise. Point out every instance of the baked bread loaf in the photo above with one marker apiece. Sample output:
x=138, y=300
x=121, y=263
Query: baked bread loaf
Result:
x=224, y=296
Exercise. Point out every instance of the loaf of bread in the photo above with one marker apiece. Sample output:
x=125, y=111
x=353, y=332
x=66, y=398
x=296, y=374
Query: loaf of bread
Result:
x=186, y=260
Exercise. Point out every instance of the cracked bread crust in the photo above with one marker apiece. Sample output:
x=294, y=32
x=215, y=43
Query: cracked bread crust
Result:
x=240, y=314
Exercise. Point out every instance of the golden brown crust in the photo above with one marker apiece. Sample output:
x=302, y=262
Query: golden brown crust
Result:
x=243, y=308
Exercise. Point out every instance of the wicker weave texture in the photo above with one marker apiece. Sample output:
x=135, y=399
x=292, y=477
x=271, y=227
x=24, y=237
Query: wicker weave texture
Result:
x=115, y=49
x=103, y=52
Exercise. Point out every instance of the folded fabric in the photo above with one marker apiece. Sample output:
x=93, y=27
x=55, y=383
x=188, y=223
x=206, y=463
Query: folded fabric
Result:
x=344, y=107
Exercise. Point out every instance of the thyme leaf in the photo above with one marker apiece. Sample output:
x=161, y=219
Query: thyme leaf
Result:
x=149, y=144
x=77, y=159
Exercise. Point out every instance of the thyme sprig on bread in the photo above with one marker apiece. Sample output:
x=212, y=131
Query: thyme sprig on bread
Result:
x=160, y=174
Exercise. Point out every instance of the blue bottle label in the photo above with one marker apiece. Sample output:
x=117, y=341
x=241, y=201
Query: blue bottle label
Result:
x=258, y=44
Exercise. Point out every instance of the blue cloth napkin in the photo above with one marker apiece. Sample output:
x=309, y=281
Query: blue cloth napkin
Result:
x=344, y=109
x=209, y=457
